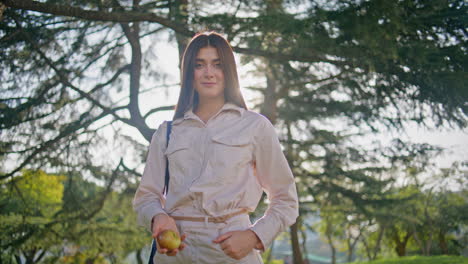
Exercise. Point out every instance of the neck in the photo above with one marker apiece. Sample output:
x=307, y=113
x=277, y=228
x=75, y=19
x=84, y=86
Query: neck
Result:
x=207, y=108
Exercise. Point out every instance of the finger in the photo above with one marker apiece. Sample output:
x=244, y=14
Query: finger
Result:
x=229, y=254
x=182, y=246
x=172, y=252
x=158, y=248
x=156, y=232
x=259, y=246
x=225, y=246
x=162, y=250
x=182, y=238
x=222, y=237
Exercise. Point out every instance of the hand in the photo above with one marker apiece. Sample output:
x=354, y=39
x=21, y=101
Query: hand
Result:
x=162, y=222
x=238, y=244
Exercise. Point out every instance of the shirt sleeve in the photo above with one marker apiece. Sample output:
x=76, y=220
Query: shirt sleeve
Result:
x=277, y=181
x=149, y=199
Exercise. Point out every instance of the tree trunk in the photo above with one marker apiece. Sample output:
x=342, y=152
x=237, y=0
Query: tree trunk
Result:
x=132, y=32
x=297, y=254
x=400, y=249
x=424, y=245
x=138, y=257
x=269, y=108
x=332, y=248
x=2, y=9
x=29, y=256
x=296, y=248
x=304, y=240
x=443, y=243
x=420, y=243
x=377, y=245
x=429, y=226
x=400, y=245
x=428, y=246
x=367, y=247
x=40, y=256
x=349, y=255
x=352, y=244
x=330, y=243
x=349, y=252
x=270, y=253
x=29, y=260
x=18, y=259
x=179, y=14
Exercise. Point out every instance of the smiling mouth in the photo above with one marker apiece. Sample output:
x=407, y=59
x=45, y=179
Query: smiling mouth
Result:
x=208, y=83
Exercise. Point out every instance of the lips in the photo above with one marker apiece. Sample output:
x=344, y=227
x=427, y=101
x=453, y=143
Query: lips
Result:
x=208, y=83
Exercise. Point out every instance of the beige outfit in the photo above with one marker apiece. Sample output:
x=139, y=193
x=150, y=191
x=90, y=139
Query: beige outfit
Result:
x=216, y=168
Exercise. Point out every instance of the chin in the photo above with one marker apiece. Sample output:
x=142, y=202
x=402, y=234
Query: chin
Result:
x=209, y=95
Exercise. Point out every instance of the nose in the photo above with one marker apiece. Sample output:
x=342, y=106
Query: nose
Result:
x=209, y=71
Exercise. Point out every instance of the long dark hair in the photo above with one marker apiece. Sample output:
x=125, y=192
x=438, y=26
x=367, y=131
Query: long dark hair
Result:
x=188, y=97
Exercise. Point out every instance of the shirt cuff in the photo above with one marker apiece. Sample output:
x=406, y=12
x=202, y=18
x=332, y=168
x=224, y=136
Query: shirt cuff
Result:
x=147, y=216
x=264, y=232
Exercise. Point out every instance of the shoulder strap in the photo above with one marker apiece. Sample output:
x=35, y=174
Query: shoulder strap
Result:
x=166, y=178
x=166, y=188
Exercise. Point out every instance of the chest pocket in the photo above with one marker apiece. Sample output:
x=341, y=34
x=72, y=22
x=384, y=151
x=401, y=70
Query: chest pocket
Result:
x=231, y=151
x=179, y=157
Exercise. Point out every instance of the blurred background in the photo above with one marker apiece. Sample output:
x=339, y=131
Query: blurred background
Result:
x=369, y=99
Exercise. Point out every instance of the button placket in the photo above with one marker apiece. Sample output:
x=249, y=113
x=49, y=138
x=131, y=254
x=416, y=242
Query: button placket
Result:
x=200, y=146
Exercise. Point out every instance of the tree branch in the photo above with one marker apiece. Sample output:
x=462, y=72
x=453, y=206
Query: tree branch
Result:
x=136, y=16
x=127, y=169
x=116, y=16
x=162, y=108
x=70, y=129
x=98, y=205
x=2, y=9
x=286, y=57
x=132, y=34
x=65, y=81
x=112, y=79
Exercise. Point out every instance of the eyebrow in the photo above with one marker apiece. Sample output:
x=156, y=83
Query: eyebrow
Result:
x=202, y=60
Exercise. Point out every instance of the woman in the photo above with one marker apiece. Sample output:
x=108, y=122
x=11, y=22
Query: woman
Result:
x=221, y=158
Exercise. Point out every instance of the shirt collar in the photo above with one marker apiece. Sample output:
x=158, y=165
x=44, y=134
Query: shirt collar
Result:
x=226, y=107
x=232, y=106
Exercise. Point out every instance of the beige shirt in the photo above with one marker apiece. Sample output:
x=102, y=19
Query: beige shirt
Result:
x=212, y=171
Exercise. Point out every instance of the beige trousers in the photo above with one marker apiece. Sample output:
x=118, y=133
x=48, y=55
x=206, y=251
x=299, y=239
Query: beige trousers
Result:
x=201, y=250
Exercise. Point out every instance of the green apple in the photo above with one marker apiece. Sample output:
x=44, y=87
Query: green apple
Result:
x=168, y=239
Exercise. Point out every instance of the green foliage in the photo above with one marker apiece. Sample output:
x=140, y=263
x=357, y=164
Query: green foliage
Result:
x=418, y=221
x=272, y=261
x=35, y=193
x=110, y=234
x=113, y=231
x=29, y=203
x=420, y=260
x=75, y=222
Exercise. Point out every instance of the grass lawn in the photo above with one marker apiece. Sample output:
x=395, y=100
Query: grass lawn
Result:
x=421, y=260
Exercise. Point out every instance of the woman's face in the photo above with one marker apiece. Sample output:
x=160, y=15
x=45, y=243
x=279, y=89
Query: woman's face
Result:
x=208, y=78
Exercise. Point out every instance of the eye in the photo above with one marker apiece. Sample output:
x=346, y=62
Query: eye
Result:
x=198, y=66
x=218, y=66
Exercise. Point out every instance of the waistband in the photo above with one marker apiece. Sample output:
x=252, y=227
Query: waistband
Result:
x=211, y=219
